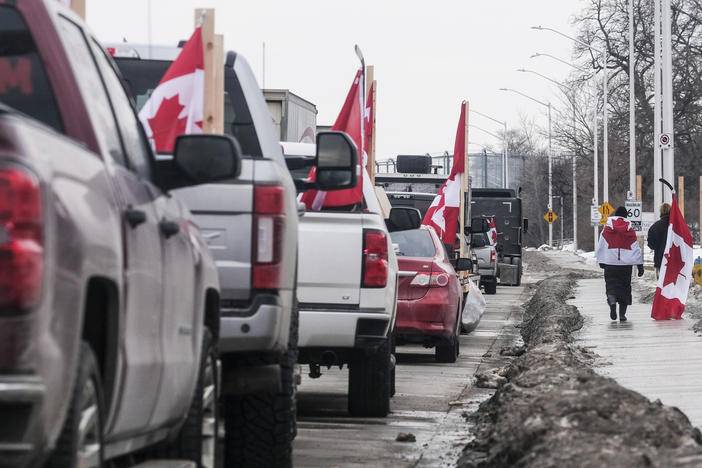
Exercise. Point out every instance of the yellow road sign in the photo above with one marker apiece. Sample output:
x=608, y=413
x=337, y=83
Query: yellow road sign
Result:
x=605, y=210
x=603, y=221
x=550, y=217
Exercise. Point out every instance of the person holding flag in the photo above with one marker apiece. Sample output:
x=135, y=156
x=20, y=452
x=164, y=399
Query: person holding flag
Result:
x=676, y=267
x=617, y=251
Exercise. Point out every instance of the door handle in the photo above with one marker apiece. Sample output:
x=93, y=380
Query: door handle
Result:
x=134, y=217
x=169, y=228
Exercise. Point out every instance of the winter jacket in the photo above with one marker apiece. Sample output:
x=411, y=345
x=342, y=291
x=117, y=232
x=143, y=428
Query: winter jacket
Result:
x=657, y=237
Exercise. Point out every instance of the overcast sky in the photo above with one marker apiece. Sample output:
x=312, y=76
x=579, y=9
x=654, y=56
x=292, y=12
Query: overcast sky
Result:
x=428, y=56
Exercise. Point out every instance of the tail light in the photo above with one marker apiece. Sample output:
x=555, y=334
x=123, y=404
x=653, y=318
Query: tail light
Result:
x=432, y=280
x=375, y=258
x=269, y=227
x=493, y=256
x=21, y=239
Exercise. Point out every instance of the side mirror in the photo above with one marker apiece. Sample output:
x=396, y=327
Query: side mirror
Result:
x=526, y=225
x=479, y=225
x=336, y=161
x=200, y=159
x=402, y=218
x=463, y=264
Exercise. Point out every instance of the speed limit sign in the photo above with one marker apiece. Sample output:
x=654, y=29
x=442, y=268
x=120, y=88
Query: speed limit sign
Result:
x=633, y=213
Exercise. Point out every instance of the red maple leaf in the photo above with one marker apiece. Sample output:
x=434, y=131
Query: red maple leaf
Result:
x=166, y=125
x=619, y=237
x=673, y=266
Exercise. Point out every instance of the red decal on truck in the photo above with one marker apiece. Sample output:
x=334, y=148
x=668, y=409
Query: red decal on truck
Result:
x=19, y=76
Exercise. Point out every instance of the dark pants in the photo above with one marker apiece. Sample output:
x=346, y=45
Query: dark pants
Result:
x=618, y=284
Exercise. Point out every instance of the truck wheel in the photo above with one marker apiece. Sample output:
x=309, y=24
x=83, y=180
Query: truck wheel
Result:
x=260, y=428
x=394, y=365
x=197, y=439
x=369, y=382
x=491, y=286
x=80, y=442
x=519, y=273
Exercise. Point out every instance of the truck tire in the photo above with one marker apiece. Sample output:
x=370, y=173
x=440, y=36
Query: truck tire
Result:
x=197, y=438
x=519, y=272
x=71, y=449
x=394, y=365
x=491, y=286
x=369, y=382
x=260, y=428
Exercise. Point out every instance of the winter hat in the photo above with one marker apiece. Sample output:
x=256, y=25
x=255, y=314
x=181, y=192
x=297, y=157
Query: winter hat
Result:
x=621, y=211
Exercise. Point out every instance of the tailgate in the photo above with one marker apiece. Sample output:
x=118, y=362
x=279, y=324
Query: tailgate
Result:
x=329, y=258
x=223, y=213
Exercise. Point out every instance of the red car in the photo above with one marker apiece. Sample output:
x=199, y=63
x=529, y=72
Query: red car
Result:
x=429, y=294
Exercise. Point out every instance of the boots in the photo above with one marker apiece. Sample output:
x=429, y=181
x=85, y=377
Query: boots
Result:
x=622, y=313
x=613, y=311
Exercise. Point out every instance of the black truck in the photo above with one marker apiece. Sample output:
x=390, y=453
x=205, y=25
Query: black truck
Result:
x=505, y=206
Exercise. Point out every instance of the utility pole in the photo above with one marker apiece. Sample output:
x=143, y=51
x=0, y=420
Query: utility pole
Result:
x=632, y=105
x=657, y=187
x=667, y=77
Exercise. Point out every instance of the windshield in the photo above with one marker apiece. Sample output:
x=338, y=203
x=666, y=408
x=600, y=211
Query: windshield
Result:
x=23, y=83
x=414, y=243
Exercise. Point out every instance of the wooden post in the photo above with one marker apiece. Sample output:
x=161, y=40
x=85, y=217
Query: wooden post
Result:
x=638, y=188
x=218, y=126
x=78, y=6
x=208, y=44
x=370, y=81
x=464, y=187
x=700, y=224
x=681, y=194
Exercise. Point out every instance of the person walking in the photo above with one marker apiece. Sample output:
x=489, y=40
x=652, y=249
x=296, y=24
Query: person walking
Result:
x=617, y=252
x=658, y=236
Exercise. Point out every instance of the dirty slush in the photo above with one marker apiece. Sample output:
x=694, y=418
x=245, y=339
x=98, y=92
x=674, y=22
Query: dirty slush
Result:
x=553, y=410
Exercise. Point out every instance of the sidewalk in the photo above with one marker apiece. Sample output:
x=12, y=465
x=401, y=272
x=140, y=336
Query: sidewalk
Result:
x=660, y=360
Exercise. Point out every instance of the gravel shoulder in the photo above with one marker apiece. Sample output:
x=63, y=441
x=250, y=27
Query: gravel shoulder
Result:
x=551, y=409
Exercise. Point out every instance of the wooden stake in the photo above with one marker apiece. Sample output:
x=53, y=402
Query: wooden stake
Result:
x=638, y=187
x=681, y=194
x=78, y=6
x=464, y=189
x=370, y=166
x=208, y=44
x=218, y=126
x=700, y=224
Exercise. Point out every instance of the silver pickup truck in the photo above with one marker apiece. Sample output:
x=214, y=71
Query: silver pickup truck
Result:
x=251, y=227
x=109, y=298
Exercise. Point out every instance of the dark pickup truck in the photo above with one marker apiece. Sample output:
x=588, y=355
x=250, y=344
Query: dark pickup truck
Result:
x=109, y=297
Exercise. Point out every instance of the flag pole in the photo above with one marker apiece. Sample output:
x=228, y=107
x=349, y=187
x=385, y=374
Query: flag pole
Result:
x=370, y=84
x=464, y=187
x=667, y=184
x=218, y=126
x=205, y=18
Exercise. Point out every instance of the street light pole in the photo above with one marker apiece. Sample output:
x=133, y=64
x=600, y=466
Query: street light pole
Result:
x=632, y=105
x=550, y=154
x=605, y=182
x=505, y=161
x=667, y=77
x=575, y=183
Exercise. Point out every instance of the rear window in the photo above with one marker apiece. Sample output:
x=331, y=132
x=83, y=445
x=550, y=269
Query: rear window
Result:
x=142, y=77
x=414, y=243
x=480, y=239
x=23, y=82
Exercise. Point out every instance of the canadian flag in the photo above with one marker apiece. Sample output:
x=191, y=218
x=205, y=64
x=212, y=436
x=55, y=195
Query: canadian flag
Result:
x=176, y=105
x=350, y=120
x=676, y=269
x=443, y=213
x=618, y=244
x=492, y=233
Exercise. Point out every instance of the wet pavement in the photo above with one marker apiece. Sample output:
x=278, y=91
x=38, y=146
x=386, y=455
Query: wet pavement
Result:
x=430, y=402
x=659, y=359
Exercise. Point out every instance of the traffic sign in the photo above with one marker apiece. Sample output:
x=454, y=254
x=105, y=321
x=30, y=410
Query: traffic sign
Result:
x=603, y=221
x=595, y=215
x=633, y=213
x=665, y=140
x=606, y=210
x=550, y=217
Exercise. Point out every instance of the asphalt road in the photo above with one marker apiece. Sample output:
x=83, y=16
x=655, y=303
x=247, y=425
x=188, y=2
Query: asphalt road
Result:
x=329, y=437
